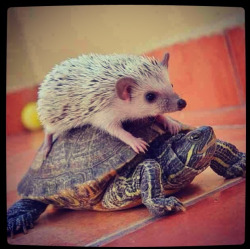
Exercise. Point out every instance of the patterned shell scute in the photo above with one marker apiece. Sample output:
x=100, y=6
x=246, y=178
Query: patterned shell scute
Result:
x=80, y=155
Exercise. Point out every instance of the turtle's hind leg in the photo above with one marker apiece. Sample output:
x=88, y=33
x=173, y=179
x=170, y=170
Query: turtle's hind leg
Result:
x=22, y=214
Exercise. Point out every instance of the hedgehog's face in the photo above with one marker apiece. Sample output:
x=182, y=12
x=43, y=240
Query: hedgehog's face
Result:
x=157, y=100
x=164, y=102
x=154, y=94
x=148, y=98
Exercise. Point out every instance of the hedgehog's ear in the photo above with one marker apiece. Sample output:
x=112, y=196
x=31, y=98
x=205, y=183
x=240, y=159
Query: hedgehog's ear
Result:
x=165, y=60
x=123, y=88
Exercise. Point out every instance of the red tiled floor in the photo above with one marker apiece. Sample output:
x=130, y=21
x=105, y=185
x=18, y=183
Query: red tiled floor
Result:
x=79, y=228
x=212, y=221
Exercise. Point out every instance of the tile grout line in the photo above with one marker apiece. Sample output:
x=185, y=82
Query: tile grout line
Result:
x=228, y=126
x=149, y=220
x=210, y=193
x=219, y=109
x=240, y=91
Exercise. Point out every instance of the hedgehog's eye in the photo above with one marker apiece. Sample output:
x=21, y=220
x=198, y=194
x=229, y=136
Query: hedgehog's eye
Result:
x=172, y=85
x=150, y=97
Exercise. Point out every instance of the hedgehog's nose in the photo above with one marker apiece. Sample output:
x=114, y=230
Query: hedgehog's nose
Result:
x=181, y=104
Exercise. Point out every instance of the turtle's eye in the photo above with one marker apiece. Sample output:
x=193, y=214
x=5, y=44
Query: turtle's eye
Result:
x=150, y=97
x=195, y=136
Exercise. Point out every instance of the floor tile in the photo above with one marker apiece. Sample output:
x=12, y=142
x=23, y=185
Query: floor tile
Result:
x=209, y=222
x=66, y=227
x=79, y=228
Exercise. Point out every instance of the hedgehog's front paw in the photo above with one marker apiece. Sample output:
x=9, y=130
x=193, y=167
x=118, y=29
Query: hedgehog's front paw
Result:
x=170, y=124
x=162, y=206
x=174, y=127
x=138, y=144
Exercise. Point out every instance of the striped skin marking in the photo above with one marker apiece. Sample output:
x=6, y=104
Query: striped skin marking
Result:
x=218, y=160
x=163, y=153
x=155, y=166
x=208, y=145
x=188, y=173
x=227, y=148
x=190, y=153
x=124, y=192
x=132, y=194
x=228, y=161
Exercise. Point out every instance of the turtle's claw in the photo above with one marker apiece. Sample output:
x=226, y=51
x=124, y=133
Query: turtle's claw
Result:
x=174, y=204
x=163, y=206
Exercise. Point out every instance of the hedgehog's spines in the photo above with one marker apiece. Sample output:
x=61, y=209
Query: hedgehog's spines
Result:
x=87, y=84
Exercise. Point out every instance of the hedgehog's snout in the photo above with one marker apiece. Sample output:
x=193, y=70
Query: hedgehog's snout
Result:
x=172, y=103
x=181, y=103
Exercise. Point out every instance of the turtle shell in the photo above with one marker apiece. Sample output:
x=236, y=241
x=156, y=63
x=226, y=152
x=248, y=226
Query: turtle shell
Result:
x=81, y=158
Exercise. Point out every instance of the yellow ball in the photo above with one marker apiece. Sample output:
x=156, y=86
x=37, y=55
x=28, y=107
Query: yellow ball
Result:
x=29, y=117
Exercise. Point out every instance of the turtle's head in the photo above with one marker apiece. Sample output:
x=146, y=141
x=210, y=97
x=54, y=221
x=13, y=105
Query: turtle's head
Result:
x=184, y=156
x=195, y=148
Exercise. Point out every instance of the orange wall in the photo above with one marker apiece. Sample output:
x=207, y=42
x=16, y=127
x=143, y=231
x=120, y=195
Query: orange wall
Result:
x=209, y=72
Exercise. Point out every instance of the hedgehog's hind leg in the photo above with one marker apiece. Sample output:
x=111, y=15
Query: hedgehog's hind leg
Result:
x=22, y=214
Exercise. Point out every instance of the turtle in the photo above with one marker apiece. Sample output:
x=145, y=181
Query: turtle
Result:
x=89, y=169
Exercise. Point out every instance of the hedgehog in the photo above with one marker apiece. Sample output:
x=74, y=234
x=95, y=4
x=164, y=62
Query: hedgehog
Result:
x=104, y=91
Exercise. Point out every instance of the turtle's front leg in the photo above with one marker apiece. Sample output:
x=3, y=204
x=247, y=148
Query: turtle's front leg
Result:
x=22, y=214
x=143, y=185
x=228, y=161
x=152, y=190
